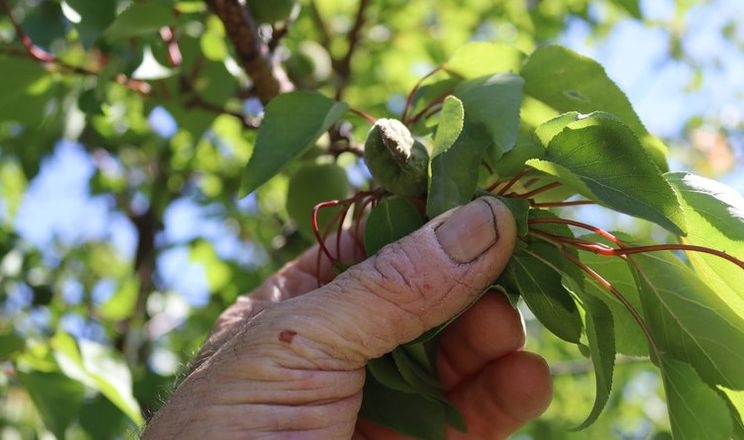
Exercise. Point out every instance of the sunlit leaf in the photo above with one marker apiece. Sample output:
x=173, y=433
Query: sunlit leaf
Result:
x=601, y=159
x=689, y=321
x=56, y=396
x=696, y=411
x=715, y=218
x=735, y=401
x=479, y=59
x=567, y=81
x=493, y=102
x=450, y=125
x=293, y=122
x=100, y=368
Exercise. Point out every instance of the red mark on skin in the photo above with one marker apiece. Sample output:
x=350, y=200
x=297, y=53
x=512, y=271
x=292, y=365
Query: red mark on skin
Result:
x=287, y=336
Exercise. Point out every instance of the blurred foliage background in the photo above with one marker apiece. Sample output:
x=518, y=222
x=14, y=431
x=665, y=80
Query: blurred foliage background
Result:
x=124, y=126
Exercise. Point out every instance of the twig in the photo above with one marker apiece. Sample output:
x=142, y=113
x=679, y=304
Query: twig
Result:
x=34, y=51
x=343, y=66
x=268, y=78
x=174, y=52
x=51, y=62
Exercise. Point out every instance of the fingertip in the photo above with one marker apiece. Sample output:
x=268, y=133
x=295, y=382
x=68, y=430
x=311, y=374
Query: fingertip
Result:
x=524, y=383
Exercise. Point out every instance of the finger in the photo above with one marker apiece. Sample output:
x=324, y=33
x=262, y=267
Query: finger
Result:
x=407, y=288
x=305, y=273
x=505, y=395
x=311, y=269
x=488, y=330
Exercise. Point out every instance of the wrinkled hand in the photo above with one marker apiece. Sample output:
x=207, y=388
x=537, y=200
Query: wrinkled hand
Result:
x=288, y=360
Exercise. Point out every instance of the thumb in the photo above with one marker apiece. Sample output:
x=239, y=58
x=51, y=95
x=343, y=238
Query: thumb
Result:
x=409, y=286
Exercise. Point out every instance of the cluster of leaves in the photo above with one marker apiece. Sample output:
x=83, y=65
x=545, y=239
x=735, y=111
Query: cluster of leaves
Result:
x=549, y=131
x=85, y=346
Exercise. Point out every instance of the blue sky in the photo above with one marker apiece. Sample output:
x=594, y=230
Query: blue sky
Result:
x=57, y=203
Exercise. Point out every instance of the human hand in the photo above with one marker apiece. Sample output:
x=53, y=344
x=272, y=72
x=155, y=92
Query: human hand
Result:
x=288, y=360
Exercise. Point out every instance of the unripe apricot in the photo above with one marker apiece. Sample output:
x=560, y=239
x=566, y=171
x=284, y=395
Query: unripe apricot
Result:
x=311, y=185
x=398, y=162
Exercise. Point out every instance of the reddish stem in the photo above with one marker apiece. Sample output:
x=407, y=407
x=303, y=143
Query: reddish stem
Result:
x=536, y=191
x=423, y=112
x=617, y=294
x=599, y=231
x=34, y=51
x=623, y=250
x=561, y=204
x=366, y=116
x=316, y=229
x=409, y=98
x=174, y=52
x=513, y=181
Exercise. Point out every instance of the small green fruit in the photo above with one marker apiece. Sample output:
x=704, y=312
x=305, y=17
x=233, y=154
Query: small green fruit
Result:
x=397, y=161
x=311, y=185
x=270, y=11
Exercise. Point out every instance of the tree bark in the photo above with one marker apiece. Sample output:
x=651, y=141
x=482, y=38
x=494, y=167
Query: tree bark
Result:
x=269, y=79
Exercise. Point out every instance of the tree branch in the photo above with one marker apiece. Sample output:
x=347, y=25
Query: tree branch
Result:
x=269, y=79
x=343, y=66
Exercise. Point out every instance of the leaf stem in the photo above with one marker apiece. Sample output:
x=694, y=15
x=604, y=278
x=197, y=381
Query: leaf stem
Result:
x=366, y=116
x=536, y=191
x=561, y=204
x=599, y=231
x=412, y=93
x=618, y=295
x=513, y=181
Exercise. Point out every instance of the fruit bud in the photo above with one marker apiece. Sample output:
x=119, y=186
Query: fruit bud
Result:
x=397, y=161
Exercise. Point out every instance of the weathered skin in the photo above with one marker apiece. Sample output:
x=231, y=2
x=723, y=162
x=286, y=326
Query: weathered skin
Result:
x=397, y=161
x=283, y=363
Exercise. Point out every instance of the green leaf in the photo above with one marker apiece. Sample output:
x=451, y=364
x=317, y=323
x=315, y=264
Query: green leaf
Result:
x=629, y=338
x=216, y=270
x=696, y=411
x=714, y=214
x=600, y=334
x=453, y=174
x=292, y=123
x=57, y=397
x=631, y=6
x=22, y=90
x=567, y=81
x=540, y=287
x=100, y=368
x=122, y=302
x=390, y=220
x=386, y=373
x=494, y=102
x=423, y=381
x=689, y=321
x=735, y=401
x=10, y=344
x=520, y=210
x=451, y=118
x=546, y=131
x=477, y=59
x=140, y=19
x=601, y=159
x=408, y=413
x=95, y=17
